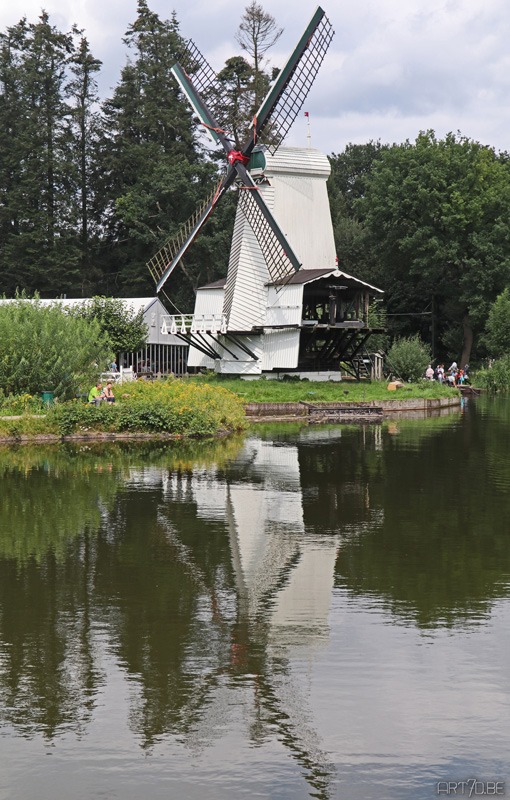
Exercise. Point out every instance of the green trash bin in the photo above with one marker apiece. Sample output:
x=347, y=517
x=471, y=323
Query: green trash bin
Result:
x=47, y=398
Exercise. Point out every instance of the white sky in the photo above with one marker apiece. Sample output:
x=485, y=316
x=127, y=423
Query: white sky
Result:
x=394, y=67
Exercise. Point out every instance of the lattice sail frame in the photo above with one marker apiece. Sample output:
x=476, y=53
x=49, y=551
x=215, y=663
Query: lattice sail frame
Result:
x=278, y=264
x=159, y=263
x=291, y=100
x=203, y=76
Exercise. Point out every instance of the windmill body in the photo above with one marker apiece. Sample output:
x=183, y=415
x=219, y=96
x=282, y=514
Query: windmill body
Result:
x=269, y=318
x=293, y=184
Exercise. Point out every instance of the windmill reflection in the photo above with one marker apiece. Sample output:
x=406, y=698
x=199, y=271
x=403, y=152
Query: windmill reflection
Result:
x=282, y=584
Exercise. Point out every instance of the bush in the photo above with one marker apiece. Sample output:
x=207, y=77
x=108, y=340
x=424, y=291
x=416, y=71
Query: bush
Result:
x=497, y=378
x=497, y=328
x=409, y=358
x=45, y=349
x=174, y=406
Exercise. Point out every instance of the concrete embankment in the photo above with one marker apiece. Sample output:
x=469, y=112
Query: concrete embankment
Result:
x=390, y=407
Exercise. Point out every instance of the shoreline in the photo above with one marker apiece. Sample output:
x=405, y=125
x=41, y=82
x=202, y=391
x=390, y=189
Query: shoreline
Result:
x=256, y=412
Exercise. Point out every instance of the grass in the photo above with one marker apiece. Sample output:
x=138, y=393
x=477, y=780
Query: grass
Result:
x=197, y=406
x=271, y=391
x=167, y=406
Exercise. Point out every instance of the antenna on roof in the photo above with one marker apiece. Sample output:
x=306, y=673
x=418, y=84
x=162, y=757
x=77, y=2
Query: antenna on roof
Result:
x=308, y=136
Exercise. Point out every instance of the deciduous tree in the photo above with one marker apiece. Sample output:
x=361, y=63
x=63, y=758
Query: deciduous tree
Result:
x=438, y=214
x=257, y=33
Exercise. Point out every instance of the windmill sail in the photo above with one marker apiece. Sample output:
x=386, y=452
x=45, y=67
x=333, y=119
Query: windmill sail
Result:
x=200, y=84
x=164, y=262
x=287, y=95
x=202, y=75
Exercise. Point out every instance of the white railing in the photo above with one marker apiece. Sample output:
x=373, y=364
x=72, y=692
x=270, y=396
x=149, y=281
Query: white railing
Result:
x=191, y=323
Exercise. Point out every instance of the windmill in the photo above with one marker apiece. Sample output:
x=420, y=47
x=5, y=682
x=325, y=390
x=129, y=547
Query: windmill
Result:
x=236, y=326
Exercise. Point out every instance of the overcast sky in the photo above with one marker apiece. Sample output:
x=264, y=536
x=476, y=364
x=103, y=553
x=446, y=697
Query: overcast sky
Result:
x=394, y=68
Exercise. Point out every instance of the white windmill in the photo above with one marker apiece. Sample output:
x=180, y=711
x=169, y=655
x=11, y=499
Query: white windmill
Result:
x=284, y=305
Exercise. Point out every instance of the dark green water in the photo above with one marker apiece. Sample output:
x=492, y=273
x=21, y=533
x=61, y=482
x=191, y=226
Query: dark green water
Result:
x=300, y=613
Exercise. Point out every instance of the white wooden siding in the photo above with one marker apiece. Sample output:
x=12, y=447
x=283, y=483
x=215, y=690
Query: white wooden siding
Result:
x=281, y=349
x=247, y=268
x=285, y=305
x=301, y=204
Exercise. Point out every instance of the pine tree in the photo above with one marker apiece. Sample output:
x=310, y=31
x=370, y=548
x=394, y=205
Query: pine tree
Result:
x=83, y=91
x=39, y=248
x=156, y=171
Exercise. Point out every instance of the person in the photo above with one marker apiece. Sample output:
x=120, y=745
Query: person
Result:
x=430, y=373
x=466, y=371
x=108, y=393
x=96, y=394
x=114, y=366
x=440, y=373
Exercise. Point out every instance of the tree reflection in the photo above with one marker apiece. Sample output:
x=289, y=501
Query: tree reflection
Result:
x=209, y=569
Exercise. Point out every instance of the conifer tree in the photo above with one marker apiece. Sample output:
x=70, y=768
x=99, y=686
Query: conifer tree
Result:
x=39, y=248
x=155, y=168
x=82, y=90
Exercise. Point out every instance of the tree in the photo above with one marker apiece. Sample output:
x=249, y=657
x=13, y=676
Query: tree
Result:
x=409, y=357
x=257, y=33
x=155, y=173
x=83, y=90
x=43, y=348
x=232, y=98
x=497, y=328
x=126, y=330
x=351, y=172
x=438, y=216
x=38, y=225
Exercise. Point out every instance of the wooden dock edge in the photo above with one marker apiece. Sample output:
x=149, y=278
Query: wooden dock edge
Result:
x=301, y=409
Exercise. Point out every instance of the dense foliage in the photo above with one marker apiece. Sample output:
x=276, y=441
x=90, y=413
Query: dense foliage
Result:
x=497, y=378
x=45, y=349
x=497, y=328
x=409, y=358
x=125, y=329
x=429, y=222
x=166, y=406
x=89, y=191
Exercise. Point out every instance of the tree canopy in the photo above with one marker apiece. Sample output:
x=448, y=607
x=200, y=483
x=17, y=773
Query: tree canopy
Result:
x=42, y=348
x=124, y=329
x=435, y=220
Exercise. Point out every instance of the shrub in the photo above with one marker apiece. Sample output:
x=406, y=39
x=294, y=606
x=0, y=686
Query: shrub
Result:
x=45, y=349
x=176, y=406
x=497, y=378
x=409, y=358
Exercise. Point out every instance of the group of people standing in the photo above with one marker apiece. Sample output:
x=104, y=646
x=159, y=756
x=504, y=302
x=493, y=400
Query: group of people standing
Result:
x=454, y=376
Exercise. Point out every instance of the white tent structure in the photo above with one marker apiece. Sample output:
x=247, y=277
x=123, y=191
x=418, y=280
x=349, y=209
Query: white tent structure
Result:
x=309, y=322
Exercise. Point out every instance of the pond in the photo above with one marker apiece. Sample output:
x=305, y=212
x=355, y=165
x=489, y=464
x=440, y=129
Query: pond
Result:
x=299, y=612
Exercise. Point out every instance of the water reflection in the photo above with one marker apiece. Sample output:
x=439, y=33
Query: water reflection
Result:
x=205, y=575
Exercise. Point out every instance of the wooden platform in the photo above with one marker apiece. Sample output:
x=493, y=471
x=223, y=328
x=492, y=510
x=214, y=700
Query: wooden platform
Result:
x=332, y=412
x=470, y=391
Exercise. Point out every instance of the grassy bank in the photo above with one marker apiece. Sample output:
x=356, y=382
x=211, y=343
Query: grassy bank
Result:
x=201, y=406
x=169, y=406
x=290, y=391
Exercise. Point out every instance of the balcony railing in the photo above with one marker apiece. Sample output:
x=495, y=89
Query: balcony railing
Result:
x=192, y=323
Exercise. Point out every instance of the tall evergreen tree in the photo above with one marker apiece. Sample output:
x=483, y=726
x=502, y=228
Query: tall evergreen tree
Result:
x=82, y=90
x=156, y=173
x=39, y=248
